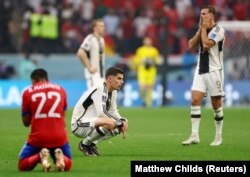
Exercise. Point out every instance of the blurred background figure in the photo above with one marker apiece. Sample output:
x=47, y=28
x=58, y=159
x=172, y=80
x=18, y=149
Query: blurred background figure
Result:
x=6, y=71
x=145, y=61
x=27, y=65
x=91, y=54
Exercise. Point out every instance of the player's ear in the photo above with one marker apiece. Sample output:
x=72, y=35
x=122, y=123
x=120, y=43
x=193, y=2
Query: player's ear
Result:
x=211, y=17
x=109, y=79
x=33, y=81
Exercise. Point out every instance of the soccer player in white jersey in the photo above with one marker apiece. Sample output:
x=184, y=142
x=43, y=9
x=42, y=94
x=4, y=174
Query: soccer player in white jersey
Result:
x=209, y=76
x=91, y=53
x=95, y=116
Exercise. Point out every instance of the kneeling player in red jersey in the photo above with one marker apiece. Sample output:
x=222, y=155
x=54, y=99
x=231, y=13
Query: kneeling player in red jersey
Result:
x=43, y=108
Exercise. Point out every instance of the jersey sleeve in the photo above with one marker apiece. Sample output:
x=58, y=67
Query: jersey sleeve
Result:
x=25, y=103
x=86, y=44
x=217, y=34
x=65, y=106
x=113, y=111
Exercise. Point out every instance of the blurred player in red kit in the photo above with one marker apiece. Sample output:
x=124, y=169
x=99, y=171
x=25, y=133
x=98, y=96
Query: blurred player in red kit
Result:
x=43, y=108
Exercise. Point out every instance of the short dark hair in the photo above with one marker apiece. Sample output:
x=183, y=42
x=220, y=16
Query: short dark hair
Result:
x=39, y=74
x=113, y=71
x=210, y=8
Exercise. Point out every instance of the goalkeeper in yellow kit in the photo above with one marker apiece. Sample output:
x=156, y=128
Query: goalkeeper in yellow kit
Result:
x=145, y=62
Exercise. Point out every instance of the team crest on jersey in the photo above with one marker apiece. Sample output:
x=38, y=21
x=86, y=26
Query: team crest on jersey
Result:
x=213, y=36
x=104, y=98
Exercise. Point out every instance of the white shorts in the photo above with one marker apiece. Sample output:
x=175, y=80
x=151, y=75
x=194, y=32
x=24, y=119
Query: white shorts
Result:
x=93, y=79
x=83, y=127
x=212, y=83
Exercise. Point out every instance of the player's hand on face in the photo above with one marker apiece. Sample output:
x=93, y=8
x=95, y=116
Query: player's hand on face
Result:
x=200, y=23
x=205, y=23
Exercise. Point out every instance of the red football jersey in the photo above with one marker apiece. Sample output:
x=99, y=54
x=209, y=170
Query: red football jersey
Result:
x=46, y=103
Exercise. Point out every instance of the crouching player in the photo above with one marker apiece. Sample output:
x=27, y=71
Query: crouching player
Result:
x=95, y=116
x=43, y=108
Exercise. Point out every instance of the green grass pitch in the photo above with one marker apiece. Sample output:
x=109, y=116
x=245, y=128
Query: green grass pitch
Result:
x=153, y=134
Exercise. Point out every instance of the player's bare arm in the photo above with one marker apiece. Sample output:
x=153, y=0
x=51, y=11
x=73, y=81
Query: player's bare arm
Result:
x=26, y=120
x=83, y=57
x=206, y=42
x=194, y=41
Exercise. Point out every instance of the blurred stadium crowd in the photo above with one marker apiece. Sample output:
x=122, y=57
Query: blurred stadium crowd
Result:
x=59, y=26
x=36, y=25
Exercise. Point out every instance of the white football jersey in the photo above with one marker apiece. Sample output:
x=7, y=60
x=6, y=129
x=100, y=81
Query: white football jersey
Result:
x=212, y=59
x=94, y=47
x=96, y=102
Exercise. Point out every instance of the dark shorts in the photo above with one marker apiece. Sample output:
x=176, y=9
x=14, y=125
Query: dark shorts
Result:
x=29, y=150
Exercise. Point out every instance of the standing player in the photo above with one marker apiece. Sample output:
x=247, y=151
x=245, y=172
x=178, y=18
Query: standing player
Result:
x=146, y=59
x=91, y=54
x=209, y=76
x=43, y=108
x=95, y=116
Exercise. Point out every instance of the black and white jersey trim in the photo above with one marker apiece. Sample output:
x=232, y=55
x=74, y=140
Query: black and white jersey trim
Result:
x=83, y=124
x=109, y=115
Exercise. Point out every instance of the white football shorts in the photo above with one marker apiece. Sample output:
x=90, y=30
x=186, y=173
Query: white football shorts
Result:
x=212, y=83
x=83, y=127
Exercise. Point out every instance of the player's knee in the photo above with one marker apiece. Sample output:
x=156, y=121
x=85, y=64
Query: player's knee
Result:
x=105, y=122
x=109, y=124
x=195, y=101
x=216, y=102
x=23, y=165
x=68, y=163
x=20, y=166
x=197, y=98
